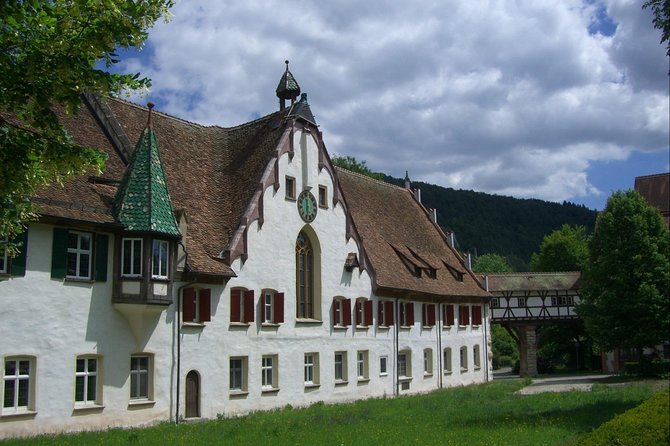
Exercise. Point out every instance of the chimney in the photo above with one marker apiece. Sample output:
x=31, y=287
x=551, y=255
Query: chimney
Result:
x=417, y=194
x=468, y=261
x=452, y=239
x=486, y=283
x=433, y=215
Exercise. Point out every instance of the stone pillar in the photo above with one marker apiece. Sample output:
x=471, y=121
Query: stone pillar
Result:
x=527, y=350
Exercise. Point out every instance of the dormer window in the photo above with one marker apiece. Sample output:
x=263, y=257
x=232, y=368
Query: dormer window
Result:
x=159, y=259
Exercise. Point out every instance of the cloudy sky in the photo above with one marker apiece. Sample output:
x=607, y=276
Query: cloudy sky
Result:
x=557, y=100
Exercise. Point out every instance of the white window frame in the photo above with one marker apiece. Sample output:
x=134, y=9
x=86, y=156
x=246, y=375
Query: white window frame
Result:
x=241, y=373
x=158, y=266
x=428, y=362
x=464, y=359
x=269, y=373
x=383, y=365
x=133, y=241
x=79, y=252
x=405, y=364
x=362, y=365
x=86, y=375
x=340, y=367
x=382, y=313
x=338, y=312
x=138, y=374
x=446, y=360
x=17, y=378
x=311, y=369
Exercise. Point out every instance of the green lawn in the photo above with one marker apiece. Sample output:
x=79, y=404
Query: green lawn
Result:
x=488, y=414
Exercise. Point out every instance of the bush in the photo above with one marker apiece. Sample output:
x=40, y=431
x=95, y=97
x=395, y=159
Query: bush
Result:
x=659, y=368
x=645, y=425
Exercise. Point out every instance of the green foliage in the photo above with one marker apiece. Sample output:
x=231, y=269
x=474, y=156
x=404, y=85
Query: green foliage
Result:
x=352, y=164
x=503, y=346
x=645, y=425
x=49, y=55
x=487, y=414
x=627, y=280
x=491, y=263
x=661, y=20
x=565, y=249
x=508, y=226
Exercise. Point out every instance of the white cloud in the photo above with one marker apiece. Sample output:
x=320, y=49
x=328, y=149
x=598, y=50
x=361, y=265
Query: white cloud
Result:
x=504, y=97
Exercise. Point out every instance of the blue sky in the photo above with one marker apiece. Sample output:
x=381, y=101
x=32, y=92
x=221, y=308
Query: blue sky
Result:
x=553, y=100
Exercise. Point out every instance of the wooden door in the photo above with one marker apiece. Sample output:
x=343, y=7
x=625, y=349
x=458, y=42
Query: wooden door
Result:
x=192, y=394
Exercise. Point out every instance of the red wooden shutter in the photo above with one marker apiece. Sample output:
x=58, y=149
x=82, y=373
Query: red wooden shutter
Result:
x=367, y=310
x=389, y=313
x=249, y=306
x=410, y=313
x=357, y=312
x=431, y=315
x=187, y=304
x=205, y=297
x=463, y=315
x=477, y=315
x=235, y=305
x=449, y=319
x=278, y=308
x=346, y=318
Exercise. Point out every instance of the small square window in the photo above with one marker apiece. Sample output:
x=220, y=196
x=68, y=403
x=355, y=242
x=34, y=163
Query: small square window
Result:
x=383, y=365
x=362, y=365
x=238, y=374
x=290, y=188
x=340, y=367
x=311, y=369
x=87, y=384
x=323, y=196
x=141, y=379
x=269, y=373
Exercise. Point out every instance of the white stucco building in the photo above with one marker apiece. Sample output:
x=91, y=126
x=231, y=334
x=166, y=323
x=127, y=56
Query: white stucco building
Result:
x=220, y=270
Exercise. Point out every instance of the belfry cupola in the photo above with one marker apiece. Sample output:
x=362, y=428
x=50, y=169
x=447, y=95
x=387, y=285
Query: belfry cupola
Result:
x=288, y=88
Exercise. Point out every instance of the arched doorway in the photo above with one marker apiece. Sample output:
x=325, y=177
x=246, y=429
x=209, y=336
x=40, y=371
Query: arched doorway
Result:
x=192, y=394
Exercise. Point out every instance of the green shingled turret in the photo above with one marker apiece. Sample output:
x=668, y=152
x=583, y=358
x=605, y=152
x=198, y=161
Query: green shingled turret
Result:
x=142, y=202
x=288, y=88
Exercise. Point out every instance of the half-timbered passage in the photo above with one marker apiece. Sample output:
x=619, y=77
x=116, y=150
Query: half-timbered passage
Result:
x=197, y=305
x=241, y=306
x=534, y=296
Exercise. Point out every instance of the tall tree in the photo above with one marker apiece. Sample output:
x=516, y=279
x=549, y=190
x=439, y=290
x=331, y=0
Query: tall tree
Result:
x=626, y=302
x=50, y=53
x=565, y=249
x=352, y=164
x=661, y=20
x=491, y=263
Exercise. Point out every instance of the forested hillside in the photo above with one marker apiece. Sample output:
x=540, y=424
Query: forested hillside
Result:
x=508, y=226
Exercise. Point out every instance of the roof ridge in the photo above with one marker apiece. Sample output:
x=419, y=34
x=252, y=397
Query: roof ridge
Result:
x=356, y=174
x=186, y=121
x=653, y=175
x=534, y=273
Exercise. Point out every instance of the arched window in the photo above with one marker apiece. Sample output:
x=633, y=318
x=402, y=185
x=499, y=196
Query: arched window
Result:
x=304, y=267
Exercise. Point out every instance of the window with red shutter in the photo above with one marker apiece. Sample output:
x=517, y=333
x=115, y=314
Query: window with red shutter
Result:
x=428, y=315
x=188, y=305
x=278, y=310
x=463, y=315
x=249, y=306
x=476, y=315
x=205, y=304
x=235, y=296
x=346, y=312
x=358, y=309
x=389, y=313
x=367, y=312
x=448, y=315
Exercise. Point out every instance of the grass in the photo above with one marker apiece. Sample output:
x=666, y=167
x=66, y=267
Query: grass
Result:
x=487, y=414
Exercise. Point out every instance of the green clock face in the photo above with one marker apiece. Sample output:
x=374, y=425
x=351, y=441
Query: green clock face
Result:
x=307, y=206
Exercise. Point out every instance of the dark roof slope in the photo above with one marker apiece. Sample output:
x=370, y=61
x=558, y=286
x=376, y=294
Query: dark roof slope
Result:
x=656, y=190
x=399, y=237
x=535, y=281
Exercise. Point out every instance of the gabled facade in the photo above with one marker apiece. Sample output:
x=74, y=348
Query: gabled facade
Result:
x=220, y=270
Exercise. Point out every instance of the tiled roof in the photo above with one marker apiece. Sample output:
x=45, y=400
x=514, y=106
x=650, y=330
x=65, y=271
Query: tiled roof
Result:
x=288, y=87
x=535, y=281
x=142, y=202
x=399, y=237
x=656, y=190
x=210, y=172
